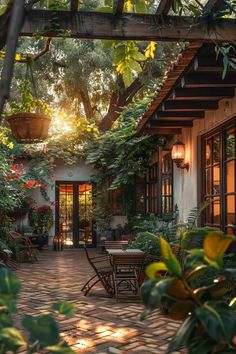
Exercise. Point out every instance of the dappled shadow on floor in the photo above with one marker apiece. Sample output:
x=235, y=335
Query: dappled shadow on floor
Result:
x=100, y=325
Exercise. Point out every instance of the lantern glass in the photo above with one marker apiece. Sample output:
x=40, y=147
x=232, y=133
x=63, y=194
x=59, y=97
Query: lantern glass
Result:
x=178, y=152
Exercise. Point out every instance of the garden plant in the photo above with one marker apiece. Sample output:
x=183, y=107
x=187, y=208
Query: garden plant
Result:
x=208, y=316
x=40, y=333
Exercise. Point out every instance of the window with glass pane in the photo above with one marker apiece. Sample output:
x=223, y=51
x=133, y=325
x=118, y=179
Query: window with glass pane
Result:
x=219, y=177
x=229, y=166
x=167, y=183
x=74, y=219
x=153, y=189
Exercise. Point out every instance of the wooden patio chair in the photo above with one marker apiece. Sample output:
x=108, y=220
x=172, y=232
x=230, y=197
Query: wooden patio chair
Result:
x=102, y=268
x=127, y=271
x=115, y=244
x=25, y=250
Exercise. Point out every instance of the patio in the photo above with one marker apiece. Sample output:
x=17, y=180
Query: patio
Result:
x=100, y=325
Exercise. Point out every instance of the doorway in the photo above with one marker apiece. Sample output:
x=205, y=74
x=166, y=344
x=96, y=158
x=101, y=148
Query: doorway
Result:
x=74, y=218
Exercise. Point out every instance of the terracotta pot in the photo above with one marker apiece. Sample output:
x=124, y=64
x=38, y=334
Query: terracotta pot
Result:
x=29, y=127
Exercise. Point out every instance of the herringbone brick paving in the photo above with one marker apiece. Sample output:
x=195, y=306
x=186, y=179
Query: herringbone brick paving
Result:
x=100, y=325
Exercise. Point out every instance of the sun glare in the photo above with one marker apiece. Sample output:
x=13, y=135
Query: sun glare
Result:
x=62, y=123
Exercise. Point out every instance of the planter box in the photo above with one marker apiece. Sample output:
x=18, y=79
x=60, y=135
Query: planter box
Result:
x=29, y=127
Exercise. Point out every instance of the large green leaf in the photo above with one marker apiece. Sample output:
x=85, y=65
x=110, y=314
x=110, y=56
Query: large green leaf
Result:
x=169, y=258
x=9, y=289
x=43, y=329
x=201, y=345
x=154, y=268
x=183, y=334
x=215, y=245
x=12, y=338
x=152, y=292
x=218, y=320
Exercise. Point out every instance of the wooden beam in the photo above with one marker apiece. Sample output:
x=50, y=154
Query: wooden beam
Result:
x=16, y=21
x=179, y=114
x=74, y=5
x=208, y=64
x=189, y=105
x=163, y=131
x=98, y=25
x=208, y=80
x=173, y=119
x=164, y=7
x=204, y=93
x=118, y=6
x=170, y=123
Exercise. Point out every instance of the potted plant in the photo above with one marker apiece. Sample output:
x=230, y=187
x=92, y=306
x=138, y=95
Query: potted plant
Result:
x=41, y=220
x=30, y=119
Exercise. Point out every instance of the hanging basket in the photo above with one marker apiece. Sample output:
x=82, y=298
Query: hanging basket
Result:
x=29, y=128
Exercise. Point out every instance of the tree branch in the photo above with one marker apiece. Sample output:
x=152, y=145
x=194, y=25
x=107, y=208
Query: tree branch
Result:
x=86, y=103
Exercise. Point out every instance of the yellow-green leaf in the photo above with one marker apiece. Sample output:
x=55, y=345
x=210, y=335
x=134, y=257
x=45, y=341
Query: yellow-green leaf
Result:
x=154, y=268
x=215, y=245
x=169, y=258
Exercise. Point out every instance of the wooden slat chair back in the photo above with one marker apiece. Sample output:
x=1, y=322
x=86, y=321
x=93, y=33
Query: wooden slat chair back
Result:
x=102, y=268
x=115, y=244
x=127, y=270
x=25, y=250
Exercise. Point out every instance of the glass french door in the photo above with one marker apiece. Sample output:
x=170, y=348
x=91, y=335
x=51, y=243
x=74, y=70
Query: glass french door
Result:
x=74, y=219
x=219, y=181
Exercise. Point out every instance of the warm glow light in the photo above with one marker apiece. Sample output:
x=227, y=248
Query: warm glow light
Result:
x=178, y=152
x=178, y=155
x=69, y=243
x=117, y=334
x=83, y=343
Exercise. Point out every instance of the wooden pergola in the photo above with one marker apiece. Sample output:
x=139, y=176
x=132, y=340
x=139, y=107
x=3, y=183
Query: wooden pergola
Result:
x=24, y=20
x=192, y=86
x=159, y=26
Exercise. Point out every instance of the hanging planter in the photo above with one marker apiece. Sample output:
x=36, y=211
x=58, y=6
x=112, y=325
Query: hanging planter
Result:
x=30, y=120
x=29, y=127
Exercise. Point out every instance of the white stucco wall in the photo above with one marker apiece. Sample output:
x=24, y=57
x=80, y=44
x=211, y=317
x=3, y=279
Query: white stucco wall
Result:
x=185, y=183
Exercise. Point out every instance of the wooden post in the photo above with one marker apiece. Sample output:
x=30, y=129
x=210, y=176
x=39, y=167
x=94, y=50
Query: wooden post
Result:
x=12, y=40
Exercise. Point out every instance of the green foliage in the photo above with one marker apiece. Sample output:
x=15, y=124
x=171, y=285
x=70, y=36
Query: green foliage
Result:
x=209, y=322
x=41, y=219
x=42, y=331
x=227, y=51
x=148, y=243
x=28, y=102
x=194, y=238
x=64, y=308
x=101, y=209
x=119, y=155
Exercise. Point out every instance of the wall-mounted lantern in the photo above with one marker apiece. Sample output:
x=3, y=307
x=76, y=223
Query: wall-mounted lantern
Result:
x=178, y=155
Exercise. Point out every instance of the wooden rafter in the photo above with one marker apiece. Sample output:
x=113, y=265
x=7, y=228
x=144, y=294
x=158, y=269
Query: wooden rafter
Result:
x=118, y=6
x=163, y=131
x=74, y=5
x=171, y=123
x=95, y=25
x=206, y=93
x=164, y=7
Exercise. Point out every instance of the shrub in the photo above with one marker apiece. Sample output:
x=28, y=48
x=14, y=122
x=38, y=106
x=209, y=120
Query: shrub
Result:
x=209, y=321
x=148, y=243
x=41, y=219
x=194, y=238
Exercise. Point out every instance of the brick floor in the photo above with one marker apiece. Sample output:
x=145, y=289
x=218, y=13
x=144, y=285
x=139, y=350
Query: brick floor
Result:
x=100, y=325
